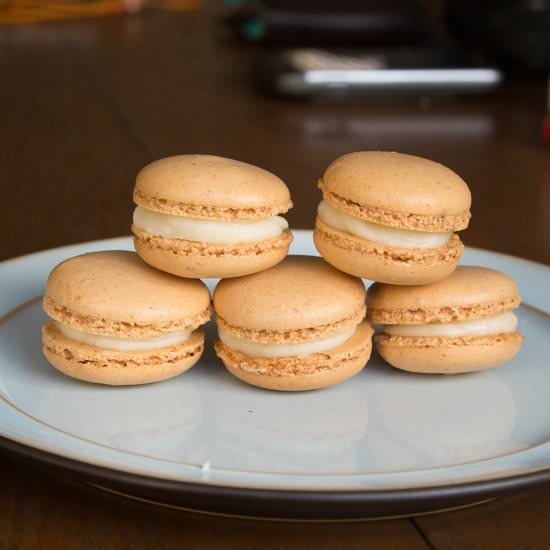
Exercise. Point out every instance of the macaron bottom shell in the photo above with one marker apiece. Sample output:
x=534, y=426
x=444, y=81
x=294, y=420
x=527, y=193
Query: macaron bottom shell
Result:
x=194, y=259
x=309, y=372
x=386, y=264
x=115, y=368
x=448, y=355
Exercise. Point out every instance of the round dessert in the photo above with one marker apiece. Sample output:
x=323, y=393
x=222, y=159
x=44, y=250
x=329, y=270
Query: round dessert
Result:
x=297, y=326
x=116, y=320
x=205, y=216
x=391, y=217
x=460, y=324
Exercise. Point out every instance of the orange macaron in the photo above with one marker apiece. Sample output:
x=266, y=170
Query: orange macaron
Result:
x=115, y=320
x=391, y=217
x=201, y=216
x=297, y=326
x=463, y=323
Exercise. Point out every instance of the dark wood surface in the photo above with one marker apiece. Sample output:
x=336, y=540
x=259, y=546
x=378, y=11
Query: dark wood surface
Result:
x=85, y=105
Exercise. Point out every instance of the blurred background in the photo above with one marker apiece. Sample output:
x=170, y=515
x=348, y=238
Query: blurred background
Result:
x=94, y=90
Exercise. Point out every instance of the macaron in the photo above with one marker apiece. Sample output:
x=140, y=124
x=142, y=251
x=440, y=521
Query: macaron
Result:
x=115, y=320
x=297, y=326
x=391, y=217
x=203, y=216
x=460, y=324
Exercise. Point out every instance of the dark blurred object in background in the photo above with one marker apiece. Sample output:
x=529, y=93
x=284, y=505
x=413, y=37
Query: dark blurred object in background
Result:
x=336, y=50
x=382, y=72
x=329, y=23
x=356, y=48
x=515, y=33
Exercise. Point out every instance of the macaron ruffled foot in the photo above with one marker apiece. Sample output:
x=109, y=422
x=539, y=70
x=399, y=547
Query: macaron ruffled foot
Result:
x=463, y=323
x=297, y=326
x=115, y=320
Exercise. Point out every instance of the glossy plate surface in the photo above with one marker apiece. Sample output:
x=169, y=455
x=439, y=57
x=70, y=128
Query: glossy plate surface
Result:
x=380, y=431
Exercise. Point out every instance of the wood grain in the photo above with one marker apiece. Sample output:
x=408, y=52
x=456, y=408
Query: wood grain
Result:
x=39, y=512
x=519, y=522
x=90, y=103
x=68, y=157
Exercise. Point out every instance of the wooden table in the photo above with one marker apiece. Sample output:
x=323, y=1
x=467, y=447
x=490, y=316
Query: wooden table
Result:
x=86, y=104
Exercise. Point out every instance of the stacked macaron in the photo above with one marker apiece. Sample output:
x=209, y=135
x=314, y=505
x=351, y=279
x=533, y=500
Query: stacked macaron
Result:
x=391, y=217
x=203, y=216
x=298, y=323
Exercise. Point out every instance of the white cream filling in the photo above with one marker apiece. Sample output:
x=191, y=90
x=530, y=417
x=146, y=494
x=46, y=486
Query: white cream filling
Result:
x=211, y=231
x=297, y=349
x=507, y=322
x=124, y=344
x=391, y=236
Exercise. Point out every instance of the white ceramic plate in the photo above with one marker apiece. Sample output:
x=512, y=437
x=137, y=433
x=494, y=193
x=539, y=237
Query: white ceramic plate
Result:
x=382, y=432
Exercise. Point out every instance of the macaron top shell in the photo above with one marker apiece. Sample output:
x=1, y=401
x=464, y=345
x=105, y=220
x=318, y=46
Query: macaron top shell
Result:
x=206, y=186
x=468, y=293
x=115, y=292
x=398, y=190
x=299, y=293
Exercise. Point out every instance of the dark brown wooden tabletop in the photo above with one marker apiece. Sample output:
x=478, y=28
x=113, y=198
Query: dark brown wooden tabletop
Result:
x=86, y=104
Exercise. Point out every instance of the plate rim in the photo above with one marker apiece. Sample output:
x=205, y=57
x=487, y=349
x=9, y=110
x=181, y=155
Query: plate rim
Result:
x=293, y=499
